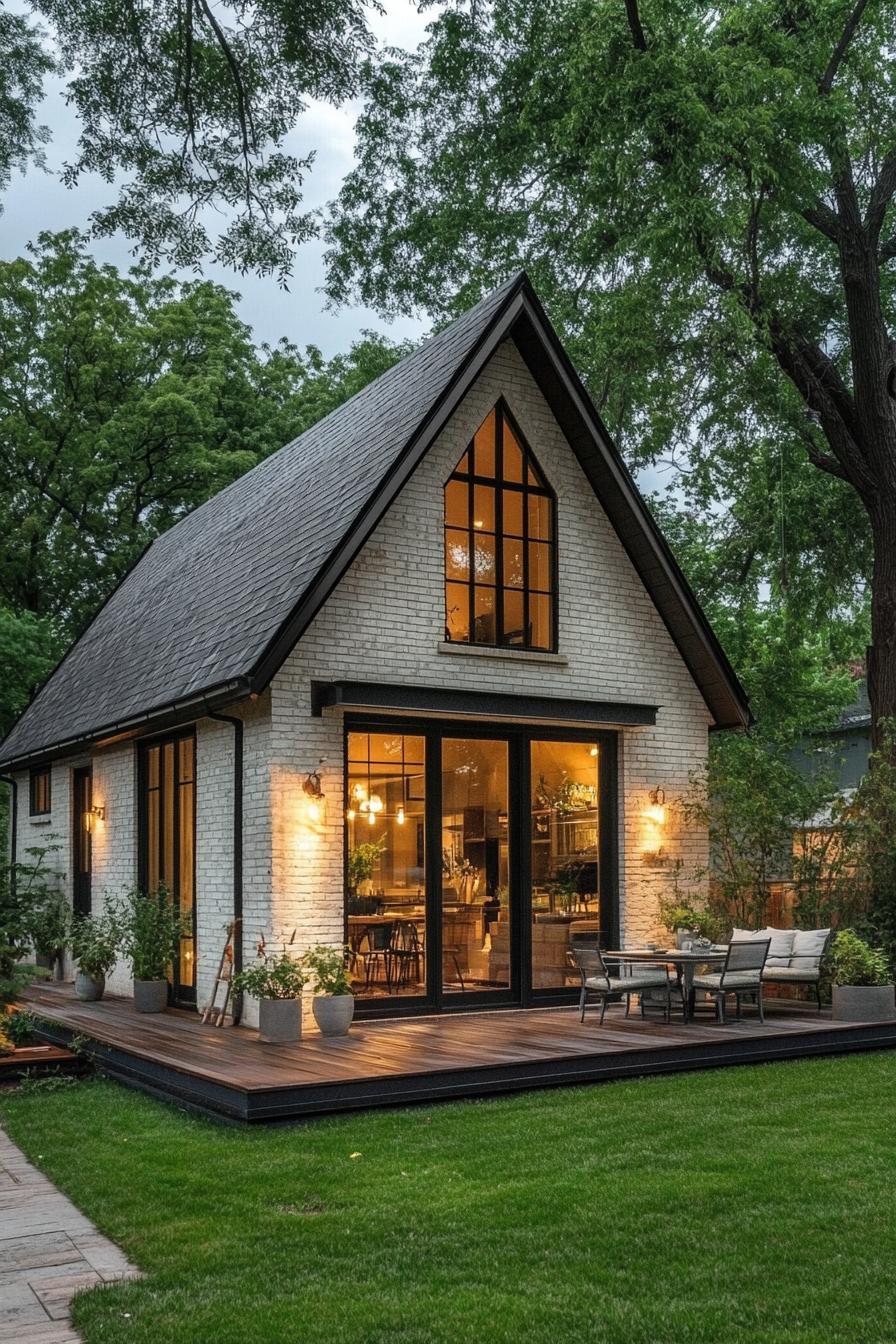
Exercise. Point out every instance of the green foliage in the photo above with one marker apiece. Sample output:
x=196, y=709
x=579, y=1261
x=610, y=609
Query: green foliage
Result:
x=327, y=967
x=126, y=400
x=26, y=889
x=151, y=930
x=96, y=941
x=700, y=919
x=855, y=962
x=673, y=184
x=48, y=924
x=190, y=110
x=276, y=975
x=20, y=1026
x=362, y=860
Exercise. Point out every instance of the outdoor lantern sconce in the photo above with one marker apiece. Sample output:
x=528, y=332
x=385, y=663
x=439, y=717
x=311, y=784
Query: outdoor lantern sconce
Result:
x=655, y=815
x=92, y=816
x=315, y=804
x=657, y=809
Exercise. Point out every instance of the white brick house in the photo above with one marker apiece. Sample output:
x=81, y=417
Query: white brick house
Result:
x=448, y=601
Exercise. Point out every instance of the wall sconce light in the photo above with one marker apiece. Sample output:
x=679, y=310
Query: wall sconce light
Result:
x=314, y=794
x=656, y=812
x=92, y=816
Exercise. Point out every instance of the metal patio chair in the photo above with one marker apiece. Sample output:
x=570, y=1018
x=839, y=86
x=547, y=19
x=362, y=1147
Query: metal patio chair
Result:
x=596, y=979
x=741, y=975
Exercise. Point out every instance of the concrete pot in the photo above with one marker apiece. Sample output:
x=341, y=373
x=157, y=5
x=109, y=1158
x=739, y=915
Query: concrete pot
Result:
x=48, y=963
x=150, y=996
x=863, y=1003
x=89, y=987
x=333, y=1013
x=279, y=1020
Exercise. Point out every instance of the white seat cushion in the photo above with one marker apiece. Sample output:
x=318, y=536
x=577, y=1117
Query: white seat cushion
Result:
x=629, y=984
x=808, y=946
x=780, y=945
x=733, y=980
x=784, y=975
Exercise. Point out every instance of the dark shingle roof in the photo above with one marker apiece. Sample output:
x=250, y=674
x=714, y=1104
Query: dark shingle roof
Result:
x=214, y=604
x=207, y=596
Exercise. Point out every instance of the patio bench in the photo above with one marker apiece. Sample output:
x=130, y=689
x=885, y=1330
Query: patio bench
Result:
x=794, y=955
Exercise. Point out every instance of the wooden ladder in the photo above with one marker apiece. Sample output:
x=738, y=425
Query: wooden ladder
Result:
x=214, y=1012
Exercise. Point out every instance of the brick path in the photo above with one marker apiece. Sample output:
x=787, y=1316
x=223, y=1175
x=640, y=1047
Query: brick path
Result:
x=48, y=1252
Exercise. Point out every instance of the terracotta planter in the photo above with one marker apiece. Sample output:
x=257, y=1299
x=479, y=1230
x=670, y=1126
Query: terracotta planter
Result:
x=333, y=1013
x=863, y=1003
x=89, y=987
x=279, y=1020
x=150, y=996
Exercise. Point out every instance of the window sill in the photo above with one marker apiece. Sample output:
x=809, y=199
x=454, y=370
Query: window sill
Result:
x=42, y=819
x=504, y=655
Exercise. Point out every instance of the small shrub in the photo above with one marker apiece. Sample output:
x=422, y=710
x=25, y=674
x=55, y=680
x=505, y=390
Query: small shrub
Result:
x=151, y=930
x=95, y=941
x=855, y=962
x=276, y=976
x=328, y=969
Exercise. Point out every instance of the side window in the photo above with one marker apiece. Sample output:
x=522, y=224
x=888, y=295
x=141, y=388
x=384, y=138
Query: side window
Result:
x=39, y=794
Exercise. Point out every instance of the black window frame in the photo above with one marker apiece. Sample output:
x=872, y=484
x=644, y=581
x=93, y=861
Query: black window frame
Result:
x=499, y=483
x=40, y=773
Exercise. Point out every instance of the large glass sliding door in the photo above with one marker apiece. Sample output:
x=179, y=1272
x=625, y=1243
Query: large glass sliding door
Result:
x=565, y=857
x=475, y=862
x=475, y=896
x=386, y=881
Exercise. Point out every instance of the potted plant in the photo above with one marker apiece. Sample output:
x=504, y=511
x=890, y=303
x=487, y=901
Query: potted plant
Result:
x=151, y=932
x=276, y=981
x=95, y=940
x=333, y=1004
x=48, y=925
x=862, y=981
x=362, y=861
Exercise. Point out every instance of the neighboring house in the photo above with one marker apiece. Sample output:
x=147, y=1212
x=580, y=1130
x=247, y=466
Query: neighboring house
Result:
x=845, y=748
x=448, y=604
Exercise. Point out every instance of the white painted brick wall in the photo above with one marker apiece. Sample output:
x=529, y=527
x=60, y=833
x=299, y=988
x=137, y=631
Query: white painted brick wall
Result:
x=384, y=622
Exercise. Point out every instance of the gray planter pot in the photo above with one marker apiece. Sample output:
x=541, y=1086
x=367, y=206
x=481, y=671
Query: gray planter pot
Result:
x=683, y=936
x=279, y=1020
x=150, y=996
x=863, y=1003
x=333, y=1013
x=89, y=987
x=48, y=963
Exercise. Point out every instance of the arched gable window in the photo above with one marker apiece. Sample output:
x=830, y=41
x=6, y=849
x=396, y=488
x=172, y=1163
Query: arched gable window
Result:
x=500, y=543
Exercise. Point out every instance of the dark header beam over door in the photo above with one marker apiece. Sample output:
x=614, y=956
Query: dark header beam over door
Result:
x=373, y=696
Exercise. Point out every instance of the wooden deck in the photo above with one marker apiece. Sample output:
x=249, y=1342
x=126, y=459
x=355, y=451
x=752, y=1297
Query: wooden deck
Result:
x=227, y=1072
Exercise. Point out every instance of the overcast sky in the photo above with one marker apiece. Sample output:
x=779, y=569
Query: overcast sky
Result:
x=39, y=201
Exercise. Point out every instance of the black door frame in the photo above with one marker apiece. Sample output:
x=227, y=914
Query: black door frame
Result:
x=183, y=997
x=82, y=848
x=519, y=738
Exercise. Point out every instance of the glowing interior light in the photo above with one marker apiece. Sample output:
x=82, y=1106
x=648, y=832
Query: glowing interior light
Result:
x=400, y=817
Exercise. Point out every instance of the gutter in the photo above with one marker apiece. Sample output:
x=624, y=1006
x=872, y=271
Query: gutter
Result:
x=13, y=826
x=238, y=730
x=185, y=708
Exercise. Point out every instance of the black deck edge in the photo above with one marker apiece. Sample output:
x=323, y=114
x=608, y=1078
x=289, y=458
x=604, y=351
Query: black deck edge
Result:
x=235, y=1105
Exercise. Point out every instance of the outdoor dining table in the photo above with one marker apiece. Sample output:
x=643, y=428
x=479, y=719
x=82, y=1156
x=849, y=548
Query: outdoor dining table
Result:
x=685, y=963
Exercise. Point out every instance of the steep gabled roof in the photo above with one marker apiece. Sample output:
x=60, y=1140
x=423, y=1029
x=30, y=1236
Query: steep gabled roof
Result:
x=214, y=605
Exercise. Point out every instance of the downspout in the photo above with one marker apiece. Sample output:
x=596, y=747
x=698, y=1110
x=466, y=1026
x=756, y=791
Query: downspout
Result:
x=13, y=826
x=237, y=849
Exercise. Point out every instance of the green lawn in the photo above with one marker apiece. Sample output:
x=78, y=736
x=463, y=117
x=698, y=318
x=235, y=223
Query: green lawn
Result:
x=750, y=1205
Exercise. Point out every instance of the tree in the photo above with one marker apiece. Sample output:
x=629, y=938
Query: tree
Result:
x=125, y=401
x=191, y=105
x=704, y=195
